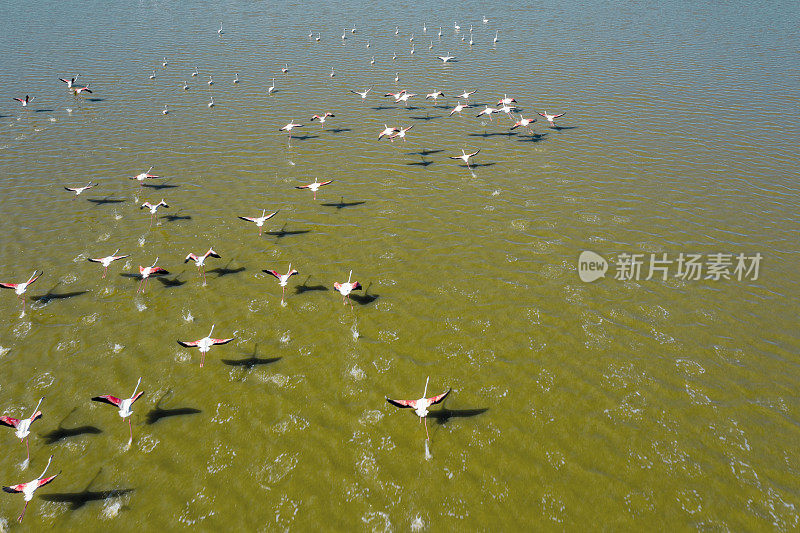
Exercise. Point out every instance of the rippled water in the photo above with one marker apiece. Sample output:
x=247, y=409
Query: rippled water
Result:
x=619, y=404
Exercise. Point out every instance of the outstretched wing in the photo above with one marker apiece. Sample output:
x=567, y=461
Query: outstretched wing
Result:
x=45, y=481
x=15, y=488
x=329, y=181
x=9, y=285
x=222, y=341
x=249, y=219
x=302, y=186
x=8, y=421
x=189, y=344
x=136, y=397
x=403, y=403
x=436, y=399
x=107, y=398
x=273, y=273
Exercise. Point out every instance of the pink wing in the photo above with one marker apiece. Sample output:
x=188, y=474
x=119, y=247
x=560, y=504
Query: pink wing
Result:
x=222, y=341
x=403, y=403
x=36, y=416
x=191, y=257
x=158, y=270
x=337, y=285
x=189, y=344
x=559, y=115
x=34, y=277
x=356, y=286
x=15, y=488
x=293, y=272
x=8, y=421
x=249, y=219
x=330, y=181
x=107, y=398
x=9, y=285
x=137, y=396
x=436, y=399
x=273, y=273
x=302, y=186
x=45, y=481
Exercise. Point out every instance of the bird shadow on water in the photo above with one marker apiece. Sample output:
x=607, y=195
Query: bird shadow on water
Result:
x=106, y=200
x=62, y=433
x=424, y=151
x=176, y=217
x=283, y=232
x=493, y=134
x=159, y=186
x=426, y=117
x=532, y=138
x=44, y=110
x=76, y=500
x=224, y=271
x=158, y=412
x=559, y=128
x=422, y=163
x=45, y=298
x=252, y=361
x=366, y=298
x=169, y=283
x=442, y=416
x=342, y=204
x=304, y=137
x=305, y=287
x=338, y=130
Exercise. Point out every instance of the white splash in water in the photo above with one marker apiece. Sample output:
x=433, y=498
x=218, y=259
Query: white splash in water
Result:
x=357, y=373
x=141, y=241
x=496, y=192
x=24, y=464
x=355, y=332
x=140, y=306
x=187, y=316
x=428, y=455
x=116, y=348
x=104, y=237
x=111, y=508
x=4, y=351
x=418, y=524
x=53, y=119
x=285, y=338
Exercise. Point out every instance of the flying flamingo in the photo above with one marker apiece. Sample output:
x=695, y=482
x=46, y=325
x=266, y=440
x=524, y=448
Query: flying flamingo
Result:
x=525, y=123
x=465, y=95
x=401, y=133
x=25, y=101
x=346, y=288
x=314, y=186
x=205, y=344
x=124, y=406
x=404, y=98
x=283, y=279
x=69, y=81
x=27, y=489
x=79, y=90
x=195, y=73
x=507, y=109
x=362, y=94
x=23, y=427
x=285, y=68
x=386, y=131
x=551, y=118
x=435, y=95
x=199, y=261
x=322, y=119
x=146, y=272
x=260, y=220
x=465, y=157
x=421, y=405
x=144, y=176
x=107, y=260
x=506, y=100
x=20, y=288
x=395, y=95
x=458, y=108
x=488, y=111
x=446, y=58
x=153, y=208
x=271, y=88
x=79, y=190
x=289, y=127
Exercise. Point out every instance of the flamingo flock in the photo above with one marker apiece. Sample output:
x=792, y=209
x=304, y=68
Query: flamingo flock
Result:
x=124, y=406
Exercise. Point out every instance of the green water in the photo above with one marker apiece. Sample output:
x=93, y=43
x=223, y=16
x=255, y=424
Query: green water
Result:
x=614, y=405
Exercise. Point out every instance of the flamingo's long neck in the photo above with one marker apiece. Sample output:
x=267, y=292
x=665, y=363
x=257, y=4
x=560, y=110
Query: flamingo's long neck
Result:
x=37, y=407
x=425, y=394
x=349, y=276
x=46, y=467
x=212, y=331
x=137, y=387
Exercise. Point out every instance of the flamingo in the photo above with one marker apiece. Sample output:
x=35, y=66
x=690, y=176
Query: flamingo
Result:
x=25, y=101
x=363, y=94
x=285, y=68
x=164, y=63
x=401, y=133
x=525, y=123
x=551, y=118
x=372, y=61
x=404, y=98
x=23, y=427
x=69, y=81
x=260, y=220
x=397, y=78
x=283, y=279
x=314, y=186
x=20, y=288
x=488, y=111
x=485, y=20
x=435, y=95
x=395, y=95
x=333, y=72
x=144, y=176
x=322, y=119
x=440, y=33
x=465, y=157
x=495, y=36
x=465, y=95
x=195, y=73
x=505, y=100
x=421, y=405
x=318, y=37
x=236, y=78
x=27, y=489
x=124, y=406
x=507, y=109
x=346, y=288
x=387, y=130
x=219, y=31
x=107, y=260
x=271, y=88
x=146, y=272
x=210, y=81
x=289, y=127
x=205, y=344
x=79, y=190
x=165, y=110
x=153, y=208
x=153, y=75
x=211, y=103
x=185, y=86
x=458, y=108
x=200, y=260
x=84, y=89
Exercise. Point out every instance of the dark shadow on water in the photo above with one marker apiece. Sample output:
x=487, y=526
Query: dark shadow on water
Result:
x=95, y=99
x=426, y=117
x=559, y=128
x=43, y=110
x=383, y=108
x=338, y=130
x=283, y=232
x=62, y=433
x=176, y=217
x=342, y=204
x=157, y=414
x=106, y=200
x=424, y=152
x=224, y=271
x=252, y=361
x=366, y=298
x=479, y=165
x=305, y=287
x=76, y=500
x=535, y=138
x=442, y=416
x=493, y=134
x=44, y=298
x=304, y=137
x=169, y=283
x=422, y=163
x=159, y=186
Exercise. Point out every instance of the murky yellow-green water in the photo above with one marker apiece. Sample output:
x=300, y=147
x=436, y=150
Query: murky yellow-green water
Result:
x=615, y=405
